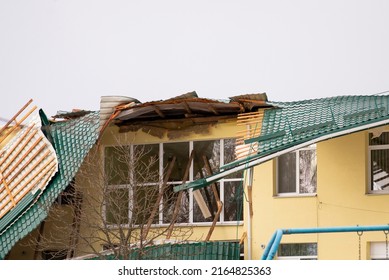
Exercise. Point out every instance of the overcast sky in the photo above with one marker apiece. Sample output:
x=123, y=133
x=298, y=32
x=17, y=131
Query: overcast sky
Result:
x=65, y=54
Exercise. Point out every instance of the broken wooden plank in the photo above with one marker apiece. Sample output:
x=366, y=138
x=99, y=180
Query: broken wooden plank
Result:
x=14, y=118
x=201, y=203
x=212, y=228
x=18, y=123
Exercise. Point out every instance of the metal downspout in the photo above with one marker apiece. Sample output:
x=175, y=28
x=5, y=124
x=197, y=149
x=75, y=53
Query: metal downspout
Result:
x=249, y=224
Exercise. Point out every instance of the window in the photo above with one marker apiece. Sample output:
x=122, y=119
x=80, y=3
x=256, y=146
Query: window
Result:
x=54, y=254
x=297, y=172
x=378, y=251
x=379, y=163
x=297, y=251
x=135, y=175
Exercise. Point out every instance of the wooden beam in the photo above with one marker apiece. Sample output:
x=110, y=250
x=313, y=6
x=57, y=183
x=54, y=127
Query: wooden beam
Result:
x=250, y=197
x=18, y=123
x=209, y=171
x=250, y=115
x=159, y=112
x=24, y=191
x=12, y=148
x=24, y=157
x=201, y=203
x=217, y=198
x=20, y=148
x=213, y=109
x=51, y=164
x=31, y=169
x=11, y=198
x=187, y=108
x=211, y=229
x=14, y=117
x=244, y=235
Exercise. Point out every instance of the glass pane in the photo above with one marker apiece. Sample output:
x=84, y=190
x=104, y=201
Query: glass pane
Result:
x=383, y=139
x=308, y=171
x=181, y=152
x=380, y=170
x=311, y=249
x=146, y=163
x=116, y=203
x=233, y=201
x=297, y=249
x=145, y=198
x=209, y=149
x=116, y=165
x=210, y=202
x=287, y=173
x=169, y=202
x=229, y=156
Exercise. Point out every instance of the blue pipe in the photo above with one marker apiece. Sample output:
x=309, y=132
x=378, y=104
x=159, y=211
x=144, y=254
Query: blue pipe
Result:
x=267, y=249
x=272, y=247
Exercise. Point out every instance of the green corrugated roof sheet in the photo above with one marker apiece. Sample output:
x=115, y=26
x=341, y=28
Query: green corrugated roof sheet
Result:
x=72, y=140
x=291, y=124
x=306, y=120
x=211, y=250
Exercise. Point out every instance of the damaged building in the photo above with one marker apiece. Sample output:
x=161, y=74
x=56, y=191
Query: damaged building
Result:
x=198, y=178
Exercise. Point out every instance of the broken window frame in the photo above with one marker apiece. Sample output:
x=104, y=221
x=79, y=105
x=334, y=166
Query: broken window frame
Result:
x=296, y=186
x=373, y=147
x=238, y=180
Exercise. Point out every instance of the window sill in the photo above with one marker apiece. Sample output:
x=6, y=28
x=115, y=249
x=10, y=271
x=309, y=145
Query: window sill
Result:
x=289, y=195
x=205, y=224
x=377, y=193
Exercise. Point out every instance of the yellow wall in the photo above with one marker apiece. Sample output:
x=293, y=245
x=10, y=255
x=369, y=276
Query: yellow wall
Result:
x=224, y=129
x=342, y=200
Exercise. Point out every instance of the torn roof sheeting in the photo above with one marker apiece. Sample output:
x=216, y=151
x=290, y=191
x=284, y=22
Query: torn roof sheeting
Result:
x=27, y=163
x=293, y=125
x=72, y=140
x=189, y=105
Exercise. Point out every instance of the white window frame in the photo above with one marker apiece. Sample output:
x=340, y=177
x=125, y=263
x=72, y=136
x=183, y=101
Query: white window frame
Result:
x=371, y=148
x=301, y=258
x=191, y=177
x=378, y=251
x=297, y=183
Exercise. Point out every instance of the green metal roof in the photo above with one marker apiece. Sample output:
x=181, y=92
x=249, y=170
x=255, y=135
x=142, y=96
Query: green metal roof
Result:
x=290, y=125
x=72, y=141
x=211, y=250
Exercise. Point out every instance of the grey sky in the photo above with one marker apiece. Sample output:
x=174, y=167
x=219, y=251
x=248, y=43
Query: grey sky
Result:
x=66, y=54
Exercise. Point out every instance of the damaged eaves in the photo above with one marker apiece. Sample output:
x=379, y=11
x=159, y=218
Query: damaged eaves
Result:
x=186, y=110
x=75, y=114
